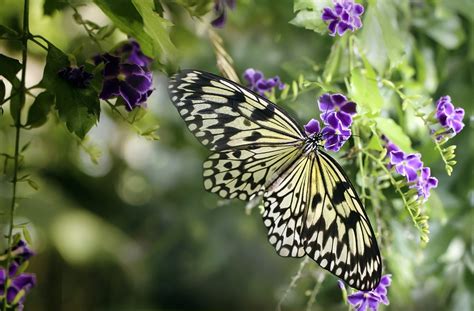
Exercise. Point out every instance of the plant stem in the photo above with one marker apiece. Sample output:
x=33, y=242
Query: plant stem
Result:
x=397, y=188
x=17, y=122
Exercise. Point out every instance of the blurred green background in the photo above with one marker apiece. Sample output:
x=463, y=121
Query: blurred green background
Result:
x=136, y=231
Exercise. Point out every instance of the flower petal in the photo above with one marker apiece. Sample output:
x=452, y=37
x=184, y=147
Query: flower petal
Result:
x=325, y=103
x=110, y=88
x=130, y=95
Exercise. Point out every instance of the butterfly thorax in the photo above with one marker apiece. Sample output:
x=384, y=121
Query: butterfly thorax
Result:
x=312, y=143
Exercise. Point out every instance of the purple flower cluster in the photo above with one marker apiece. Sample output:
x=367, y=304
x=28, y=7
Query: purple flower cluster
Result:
x=76, y=76
x=363, y=300
x=258, y=83
x=336, y=114
x=343, y=17
x=20, y=283
x=126, y=75
x=411, y=167
x=220, y=8
x=448, y=116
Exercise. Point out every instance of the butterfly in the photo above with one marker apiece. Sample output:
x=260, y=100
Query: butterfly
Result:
x=310, y=206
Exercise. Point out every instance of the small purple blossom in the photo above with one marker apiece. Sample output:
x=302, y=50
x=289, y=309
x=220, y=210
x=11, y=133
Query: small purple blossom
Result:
x=425, y=182
x=220, y=8
x=411, y=166
x=312, y=127
x=363, y=300
x=406, y=165
x=19, y=282
x=336, y=107
x=335, y=137
x=130, y=81
x=132, y=53
x=448, y=116
x=343, y=17
x=258, y=83
x=76, y=76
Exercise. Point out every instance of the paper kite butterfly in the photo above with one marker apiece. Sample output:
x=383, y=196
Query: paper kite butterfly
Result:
x=310, y=206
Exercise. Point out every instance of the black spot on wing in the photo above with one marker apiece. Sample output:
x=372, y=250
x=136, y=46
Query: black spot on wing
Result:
x=338, y=192
x=254, y=137
x=263, y=114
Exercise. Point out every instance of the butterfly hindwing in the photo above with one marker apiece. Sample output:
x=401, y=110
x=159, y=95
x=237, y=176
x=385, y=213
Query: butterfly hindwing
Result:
x=242, y=173
x=223, y=115
x=313, y=209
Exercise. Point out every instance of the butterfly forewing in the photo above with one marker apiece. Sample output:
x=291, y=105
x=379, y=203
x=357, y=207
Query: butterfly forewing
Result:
x=337, y=230
x=224, y=115
x=310, y=206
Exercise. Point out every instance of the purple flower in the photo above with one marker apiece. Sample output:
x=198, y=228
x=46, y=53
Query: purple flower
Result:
x=18, y=281
x=130, y=81
x=363, y=300
x=312, y=127
x=448, y=116
x=220, y=8
x=336, y=107
x=259, y=84
x=22, y=281
x=406, y=165
x=132, y=53
x=76, y=76
x=335, y=136
x=345, y=16
x=424, y=183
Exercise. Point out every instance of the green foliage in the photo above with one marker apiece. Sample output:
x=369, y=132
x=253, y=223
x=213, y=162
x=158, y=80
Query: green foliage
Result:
x=394, y=132
x=308, y=14
x=39, y=110
x=9, y=67
x=79, y=108
x=365, y=92
x=383, y=40
x=139, y=19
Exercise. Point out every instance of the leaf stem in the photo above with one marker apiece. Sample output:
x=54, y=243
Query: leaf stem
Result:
x=25, y=38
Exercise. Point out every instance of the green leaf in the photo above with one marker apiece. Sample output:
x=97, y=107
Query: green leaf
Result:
x=51, y=6
x=2, y=91
x=381, y=36
x=27, y=235
x=9, y=67
x=138, y=19
x=394, y=133
x=375, y=144
x=38, y=113
x=365, y=92
x=308, y=14
x=79, y=108
x=157, y=27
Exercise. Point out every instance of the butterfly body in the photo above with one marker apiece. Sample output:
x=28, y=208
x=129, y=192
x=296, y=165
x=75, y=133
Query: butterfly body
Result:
x=310, y=206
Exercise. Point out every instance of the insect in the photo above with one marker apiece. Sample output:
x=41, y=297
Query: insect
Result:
x=310, y=206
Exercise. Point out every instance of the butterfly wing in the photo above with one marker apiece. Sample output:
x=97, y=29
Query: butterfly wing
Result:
x=224, y=115
x=241, y=173
x=313, y=209
x=252, y=138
